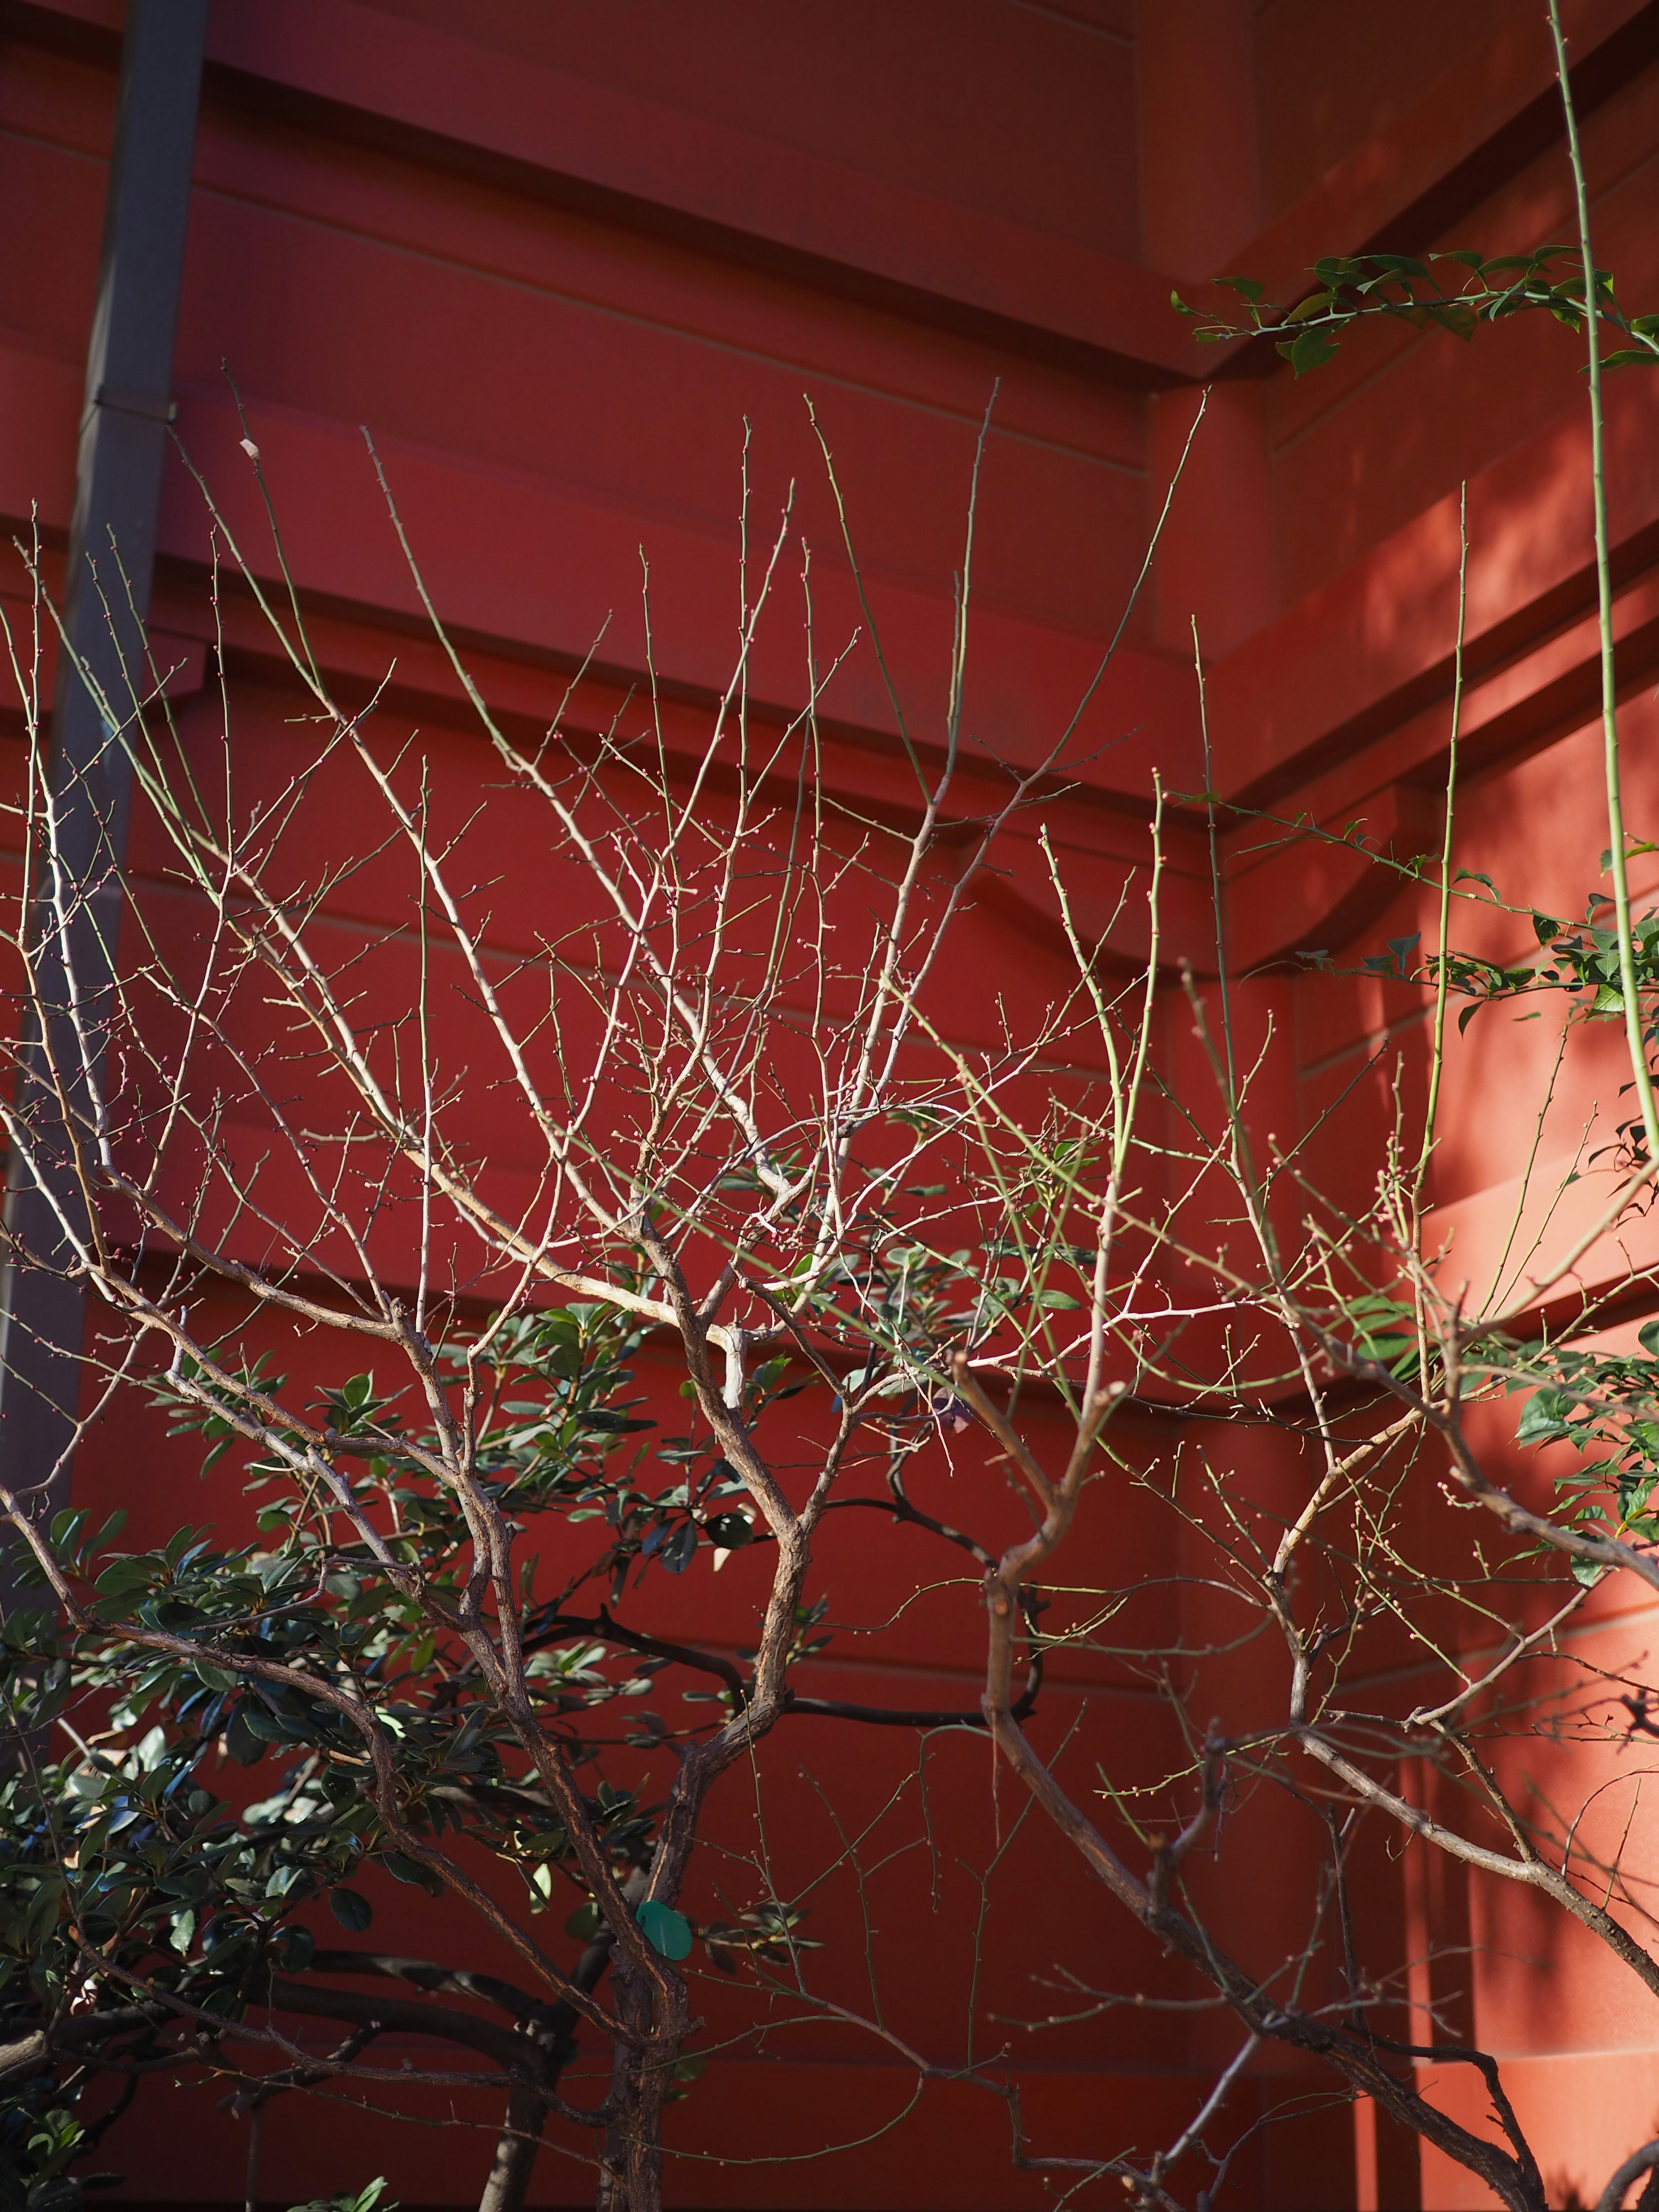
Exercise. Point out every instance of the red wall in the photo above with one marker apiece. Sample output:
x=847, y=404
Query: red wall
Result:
x=556, y=255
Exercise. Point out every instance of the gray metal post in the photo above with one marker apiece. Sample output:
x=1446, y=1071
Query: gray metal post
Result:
x=112, y=557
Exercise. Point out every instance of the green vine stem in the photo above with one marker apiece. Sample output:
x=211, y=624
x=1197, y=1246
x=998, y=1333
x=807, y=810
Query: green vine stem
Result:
x=1443, y=970
x=1628, y=986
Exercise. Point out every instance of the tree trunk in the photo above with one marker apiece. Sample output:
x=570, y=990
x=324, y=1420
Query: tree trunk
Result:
x=515, y=2154
x=630, y=2179
x=554, y=2032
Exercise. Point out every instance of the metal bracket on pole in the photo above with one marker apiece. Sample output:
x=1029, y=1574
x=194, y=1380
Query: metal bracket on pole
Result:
x=112, y=557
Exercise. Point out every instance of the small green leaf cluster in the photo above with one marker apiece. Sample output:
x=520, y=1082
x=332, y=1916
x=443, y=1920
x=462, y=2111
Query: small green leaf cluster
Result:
x=135, y=1885
x=768, y=1934
x=39, y=2140
x=1601, y=1403
x=1385, y=1333
x=362, y=2199
x=1579, y=960
x=905, y=1306
x=1350, y=288
x=562, y=1448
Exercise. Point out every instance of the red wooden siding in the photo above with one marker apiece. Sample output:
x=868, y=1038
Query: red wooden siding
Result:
x=556, y=256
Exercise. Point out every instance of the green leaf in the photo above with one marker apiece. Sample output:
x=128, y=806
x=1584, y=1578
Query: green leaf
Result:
x=676, y=1551
x=584, y=1923
x=107, y=1535
x=66, y=1526
x=42, y=1916
x=127, y=1573
x=730, y=1532
x=366, y=2200
x=258, y=1722
x=412, y=1870
x=1312, y=349
x=245, y=1746
x=667, y=1930
x=351, y=1909
x=1545, y=1417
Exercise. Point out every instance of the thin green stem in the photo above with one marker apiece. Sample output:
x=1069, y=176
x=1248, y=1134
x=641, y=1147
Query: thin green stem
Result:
x=1627, y=982
x=1214, y=845
x=1437, y=1059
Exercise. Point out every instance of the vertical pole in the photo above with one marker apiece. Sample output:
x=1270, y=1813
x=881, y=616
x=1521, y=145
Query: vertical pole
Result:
x=124, y=431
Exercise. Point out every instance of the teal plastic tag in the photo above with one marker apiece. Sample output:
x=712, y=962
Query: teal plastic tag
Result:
x=667, y=1930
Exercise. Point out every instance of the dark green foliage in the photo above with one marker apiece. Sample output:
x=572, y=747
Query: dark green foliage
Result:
x=135, y=1885
x=1455, y=291
x=371, y=2199
x=1605, y=1404
x=1578, y=959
